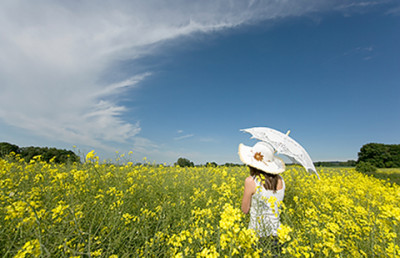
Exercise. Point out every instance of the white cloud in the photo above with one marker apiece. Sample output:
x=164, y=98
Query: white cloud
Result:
x=395, y=11
x=183, y=137
x=143, y=147
x=207, y=139
x=54, y=55
x=358, y=4
x=117, y=87
x=365, y=53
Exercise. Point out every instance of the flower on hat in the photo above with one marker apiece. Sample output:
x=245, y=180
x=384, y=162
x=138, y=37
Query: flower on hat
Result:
x=258, y=156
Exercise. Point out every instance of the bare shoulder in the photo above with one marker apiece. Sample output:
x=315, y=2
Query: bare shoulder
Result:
x=280, y=183
x=249, y=185
x=249, y=180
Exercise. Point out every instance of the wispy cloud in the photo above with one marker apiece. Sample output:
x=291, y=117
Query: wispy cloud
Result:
x=183, y=137
x=365, y=53
x=56, y=55
x=358, y=4
x=143, y=147
x=116, y=88
x=395, y=11
x=362, y=53
x=348, y=8
x=207, y=139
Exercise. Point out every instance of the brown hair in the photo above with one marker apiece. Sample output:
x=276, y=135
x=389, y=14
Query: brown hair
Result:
x=270, y=180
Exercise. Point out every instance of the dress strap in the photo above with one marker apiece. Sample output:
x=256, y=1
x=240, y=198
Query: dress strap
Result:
x=258, y=183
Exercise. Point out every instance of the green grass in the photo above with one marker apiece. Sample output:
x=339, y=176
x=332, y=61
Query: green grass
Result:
x=393, y=174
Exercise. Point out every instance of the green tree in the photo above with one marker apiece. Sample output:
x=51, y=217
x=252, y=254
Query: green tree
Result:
x=380, y=155
x=211, y=164
x=349, y=163
x=233, y=165
x=6, y=148
x=365, y=167
x=58, y=155
x=183, y=162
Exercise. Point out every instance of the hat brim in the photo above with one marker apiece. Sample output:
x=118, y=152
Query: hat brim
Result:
x=246, y=155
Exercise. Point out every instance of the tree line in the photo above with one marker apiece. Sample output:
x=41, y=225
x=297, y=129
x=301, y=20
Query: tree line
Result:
x=349, y=163
x=45, y=153
x=374, y=154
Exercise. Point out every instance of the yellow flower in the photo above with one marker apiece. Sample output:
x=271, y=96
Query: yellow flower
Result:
x=284, y=233
x=90, y=156
x=334, y=216
x=31, y=247
x=58, y=211
x=96, y=253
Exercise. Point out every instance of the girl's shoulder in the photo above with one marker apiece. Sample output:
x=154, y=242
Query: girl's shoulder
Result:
x=249, y=179
x=249, y=182
x=281, y=183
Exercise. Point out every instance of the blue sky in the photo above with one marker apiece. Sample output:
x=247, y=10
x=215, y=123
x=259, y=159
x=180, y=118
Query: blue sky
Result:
x=177, y=79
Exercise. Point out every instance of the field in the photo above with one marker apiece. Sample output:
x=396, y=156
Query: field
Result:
x=123, y=210
x=393, y=174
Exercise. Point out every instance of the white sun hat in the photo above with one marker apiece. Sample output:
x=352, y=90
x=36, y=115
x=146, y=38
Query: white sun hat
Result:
x=261, y=156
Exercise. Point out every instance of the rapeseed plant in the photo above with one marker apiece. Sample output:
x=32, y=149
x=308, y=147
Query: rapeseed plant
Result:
x=117, y=210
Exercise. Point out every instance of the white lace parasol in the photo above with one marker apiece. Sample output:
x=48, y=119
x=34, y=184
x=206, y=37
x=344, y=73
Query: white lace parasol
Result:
x=283, y=144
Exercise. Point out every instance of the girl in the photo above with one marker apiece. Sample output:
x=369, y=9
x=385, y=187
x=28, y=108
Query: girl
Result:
x=264, y=189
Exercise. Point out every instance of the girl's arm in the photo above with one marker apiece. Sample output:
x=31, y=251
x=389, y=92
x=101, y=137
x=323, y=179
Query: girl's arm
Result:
x=249, y=190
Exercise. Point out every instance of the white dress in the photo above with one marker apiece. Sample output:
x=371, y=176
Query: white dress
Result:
x=264, y=211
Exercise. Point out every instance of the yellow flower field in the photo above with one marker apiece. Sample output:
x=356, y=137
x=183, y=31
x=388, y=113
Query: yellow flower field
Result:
x=108, y=210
